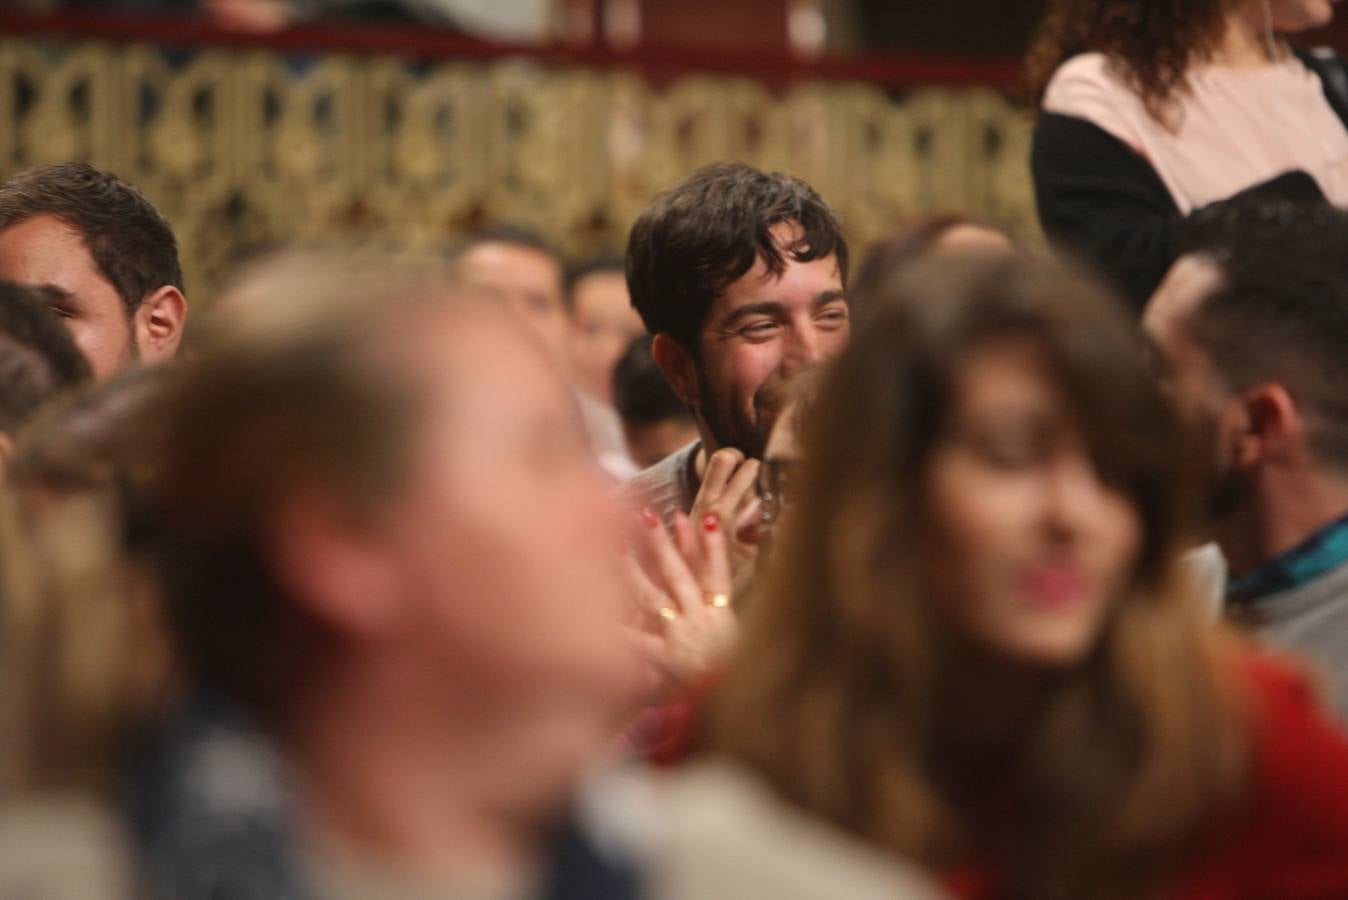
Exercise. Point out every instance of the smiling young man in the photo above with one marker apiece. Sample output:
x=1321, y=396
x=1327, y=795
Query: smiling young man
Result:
x=739, y=275
x=103, y=253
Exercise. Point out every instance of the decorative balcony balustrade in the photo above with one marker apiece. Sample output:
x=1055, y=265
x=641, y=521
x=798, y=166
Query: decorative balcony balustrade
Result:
x=250, y=145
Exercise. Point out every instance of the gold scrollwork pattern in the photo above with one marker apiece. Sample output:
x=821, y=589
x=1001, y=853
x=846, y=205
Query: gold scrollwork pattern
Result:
x=246, y=148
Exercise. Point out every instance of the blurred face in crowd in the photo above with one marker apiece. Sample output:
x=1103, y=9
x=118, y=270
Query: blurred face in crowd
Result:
x=761, y=330
x=1027, y=545
x=503, y=537
x=43, y=251
x=781, y=464
x=971, y=238
x=1293, y=16
x=530, y=282
x=1203, y=402
x=603, y=325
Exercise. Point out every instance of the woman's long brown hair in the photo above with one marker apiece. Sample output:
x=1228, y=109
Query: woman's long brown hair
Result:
x=835, y=694
x=1151, y=43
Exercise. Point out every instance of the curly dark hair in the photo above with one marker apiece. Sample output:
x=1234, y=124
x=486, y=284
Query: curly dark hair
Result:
x=700, y=236
x=1151, y=43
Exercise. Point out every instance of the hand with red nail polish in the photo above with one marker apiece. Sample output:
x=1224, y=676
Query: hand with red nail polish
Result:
x=683, y=583
x=728, y=493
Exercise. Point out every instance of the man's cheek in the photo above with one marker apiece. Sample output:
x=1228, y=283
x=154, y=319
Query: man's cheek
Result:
x=836, y=342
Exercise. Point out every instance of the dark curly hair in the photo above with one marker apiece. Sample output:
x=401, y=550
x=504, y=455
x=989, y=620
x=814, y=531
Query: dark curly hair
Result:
x=1150, y=43
x=700, y=236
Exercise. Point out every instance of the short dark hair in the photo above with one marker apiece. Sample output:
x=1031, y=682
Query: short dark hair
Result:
x=38, y=358
x=697, y=238
x=1223, y=231
x=608, y=261
x=1280, y=313
x=130, y=242
x=641, y=394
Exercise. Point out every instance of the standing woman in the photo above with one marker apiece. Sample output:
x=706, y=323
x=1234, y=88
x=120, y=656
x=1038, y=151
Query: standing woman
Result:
x=1150, y=110
x=971, y=649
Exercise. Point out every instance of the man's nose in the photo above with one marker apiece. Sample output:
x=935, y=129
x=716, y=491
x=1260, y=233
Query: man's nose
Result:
x=804, y=349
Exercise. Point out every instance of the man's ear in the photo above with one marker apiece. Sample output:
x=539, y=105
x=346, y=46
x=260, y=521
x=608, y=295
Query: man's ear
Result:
x=332, y=568
x=679, y=367
x=159, y=324
x=1273, y=426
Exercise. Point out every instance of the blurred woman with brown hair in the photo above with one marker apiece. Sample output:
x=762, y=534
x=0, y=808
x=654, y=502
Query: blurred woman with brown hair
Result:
x=971, y=650
x=69, y=701
x=1149, y=111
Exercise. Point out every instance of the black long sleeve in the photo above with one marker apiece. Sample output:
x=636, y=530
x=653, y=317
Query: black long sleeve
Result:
x=1104, y=203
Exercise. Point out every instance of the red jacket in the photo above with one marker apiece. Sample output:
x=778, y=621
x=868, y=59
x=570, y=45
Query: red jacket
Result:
x=1292, y=841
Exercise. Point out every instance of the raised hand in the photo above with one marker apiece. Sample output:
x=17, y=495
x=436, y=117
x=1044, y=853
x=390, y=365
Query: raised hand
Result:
x=728, y=493
x=683, y=587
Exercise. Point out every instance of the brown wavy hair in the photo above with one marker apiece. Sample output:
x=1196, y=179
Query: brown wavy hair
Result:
x=841, y=696
x=1151, y=43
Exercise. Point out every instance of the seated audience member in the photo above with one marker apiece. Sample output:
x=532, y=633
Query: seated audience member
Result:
x=739, y=276
x=951, y=234
x=1251, y=321
x=389, y=563
x=655, y=421
x=105, y=255
x=520, y=267
x=784, y=454
x=95, y=444
x=37, y=359
x=970, y=652
x=525, y=271
x=603, y=323
x=1149, y=112
x=686, y=586
x=69, y=704
x=98, y=437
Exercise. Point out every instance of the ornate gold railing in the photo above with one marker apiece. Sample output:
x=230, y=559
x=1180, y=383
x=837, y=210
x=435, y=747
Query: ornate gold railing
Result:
x=248, y=145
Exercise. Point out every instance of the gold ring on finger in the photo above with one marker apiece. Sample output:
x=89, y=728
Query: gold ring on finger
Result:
x=718, y=601
x=668, y=613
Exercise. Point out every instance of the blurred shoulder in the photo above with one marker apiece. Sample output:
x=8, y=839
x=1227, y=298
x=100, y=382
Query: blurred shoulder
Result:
x=1088, y=87
x=666, y=486
x=715, y=830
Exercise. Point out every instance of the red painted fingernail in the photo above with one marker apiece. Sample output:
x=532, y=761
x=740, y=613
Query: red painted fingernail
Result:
x=711, y=521
x=650, y=518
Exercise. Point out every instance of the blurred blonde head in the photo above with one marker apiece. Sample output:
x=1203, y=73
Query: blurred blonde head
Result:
x=68, y=647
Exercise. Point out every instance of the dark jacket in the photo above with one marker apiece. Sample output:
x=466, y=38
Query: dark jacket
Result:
x=213, y=808
x=1101, y=201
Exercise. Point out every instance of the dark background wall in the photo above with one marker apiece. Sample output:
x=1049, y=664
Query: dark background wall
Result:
x=955, y=27
x=977, y=27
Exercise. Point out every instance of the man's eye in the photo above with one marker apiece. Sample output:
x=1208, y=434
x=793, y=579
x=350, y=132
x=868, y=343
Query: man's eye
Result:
x=62, y=312
x=835, y=317
x=759, y=329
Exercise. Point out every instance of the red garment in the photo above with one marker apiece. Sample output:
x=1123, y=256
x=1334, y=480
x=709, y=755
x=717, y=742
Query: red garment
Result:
x=661, y=734
x=1292, y=843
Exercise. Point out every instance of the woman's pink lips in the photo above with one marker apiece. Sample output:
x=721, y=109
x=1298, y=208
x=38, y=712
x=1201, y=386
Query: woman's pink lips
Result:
x=1054, y=587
